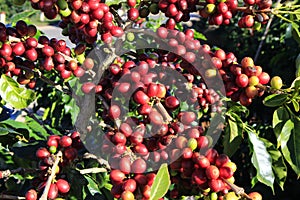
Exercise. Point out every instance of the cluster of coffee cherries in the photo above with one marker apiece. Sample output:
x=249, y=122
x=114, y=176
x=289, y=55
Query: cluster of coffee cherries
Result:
x=83, y=20
x=22, y=55
x=243, y=81
x=69, y=145
x=219, y=12
x=154, y=99
x=147, y=7
x=192, y=174
x=208, y=172
x=249, y=18
x=133, y=152
x=49, y=8
x=141, y=10
x=179, y=10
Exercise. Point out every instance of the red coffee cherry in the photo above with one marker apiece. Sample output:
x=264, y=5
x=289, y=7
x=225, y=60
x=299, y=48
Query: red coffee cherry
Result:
x=116, y=175
x=31, y=195
x=212, y=172
x=53, y=191
x=42, y=153
x=63, y=186
x=138, y=166
x=129, y=185
x=65, y=141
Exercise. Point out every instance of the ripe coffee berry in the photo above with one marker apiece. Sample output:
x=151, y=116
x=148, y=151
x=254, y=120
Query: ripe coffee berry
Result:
x=31, y=195
x=129, y=185
x=212, y=172
x=255, y=196
x=65, y=141
x=226, y=172
x=63, y=186
x=216, y=185
x=138, y=166
x=53, y=191
x=247, y=62
x=116, y=175
x=42, y=153
x=221, y=160
x=133, y=14
x=70, y=153
x=131, y=3
x=127, y=195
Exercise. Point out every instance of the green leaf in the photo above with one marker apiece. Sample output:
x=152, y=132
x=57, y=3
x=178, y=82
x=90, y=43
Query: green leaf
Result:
x=237, y=109
x=262, y=161
x=38, y=131
x=296, y=29
x=22, y=15
x=113, y=2
x=290, y=143
x=107, y=194
x=296, y=105
x=6, y=157
x=10, y=126
x=275, y=100
x=12, y=93
x=161, y=183
x=3, y=131
x=296, y=82
x=233, y=130
x=235, y=123
x=15, y=124
x=298, y=66
x=230, y=147
x=92, y=185
x=78, y=182
x=278, y=164
x=72, y=108
x=199, y=36
x=280, y=116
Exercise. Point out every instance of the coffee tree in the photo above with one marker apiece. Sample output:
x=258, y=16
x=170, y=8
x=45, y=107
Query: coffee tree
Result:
x=140, y=107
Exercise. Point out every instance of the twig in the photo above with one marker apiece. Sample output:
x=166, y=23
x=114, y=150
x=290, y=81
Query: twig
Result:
x=101, y=161
x=45, y=79
x=6, y=196
x=269, y=89
x=68, y=58
x=263, y=38
x=107, y=56
x=93, y=170
x=164, y=112
x=117, y=16
x=51, y=177
x=106, y=106
x=245, y=9
x=237, y=190
x=102, y=124
x=264, y=35
x=251, y=10
x=7, y=173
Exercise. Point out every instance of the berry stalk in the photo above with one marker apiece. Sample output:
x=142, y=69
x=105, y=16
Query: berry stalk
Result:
x=51, y=177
